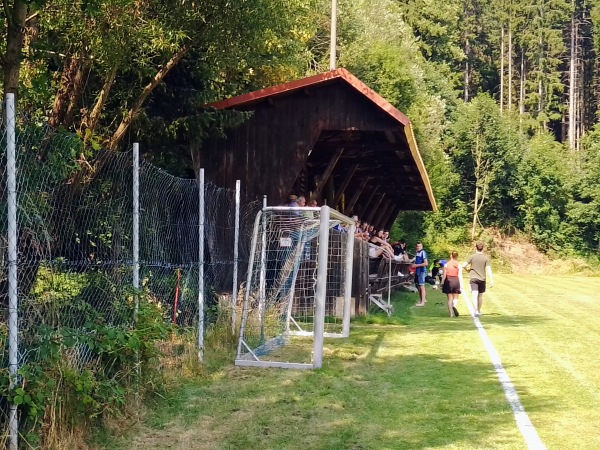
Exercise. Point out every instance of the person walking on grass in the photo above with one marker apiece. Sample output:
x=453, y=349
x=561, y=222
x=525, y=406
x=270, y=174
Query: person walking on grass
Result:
x=420, y=266
x=479, y=269
x=452, y=282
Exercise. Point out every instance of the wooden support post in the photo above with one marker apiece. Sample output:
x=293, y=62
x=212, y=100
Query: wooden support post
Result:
x=356, y=196
x=396, y=210
x=382, y=213
x=367, y=206
x=344, y=185
x=378, y=202
x=325, y=176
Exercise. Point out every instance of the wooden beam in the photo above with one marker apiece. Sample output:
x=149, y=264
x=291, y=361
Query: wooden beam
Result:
x=345, y=183
x=376, y=207
x=395, y=211
x=356, y=196
x=382, y=212
x=325, y=176
x=366, y=208
x=399, y=149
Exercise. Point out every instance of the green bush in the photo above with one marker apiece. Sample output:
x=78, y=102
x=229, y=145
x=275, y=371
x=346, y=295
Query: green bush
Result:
x=76, y=377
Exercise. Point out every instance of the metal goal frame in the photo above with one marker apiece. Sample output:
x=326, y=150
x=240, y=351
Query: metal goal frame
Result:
x=327, y=219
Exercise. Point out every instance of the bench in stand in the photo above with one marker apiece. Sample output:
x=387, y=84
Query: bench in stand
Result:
x=390, y=274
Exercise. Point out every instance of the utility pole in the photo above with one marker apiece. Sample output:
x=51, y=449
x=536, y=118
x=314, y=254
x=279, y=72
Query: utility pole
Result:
x=333, y=38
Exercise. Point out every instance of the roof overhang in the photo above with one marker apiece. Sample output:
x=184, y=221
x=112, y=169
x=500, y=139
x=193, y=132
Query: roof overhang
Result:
x=399, y=142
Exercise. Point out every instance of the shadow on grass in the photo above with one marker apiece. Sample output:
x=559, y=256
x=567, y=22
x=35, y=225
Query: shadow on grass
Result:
x=417, y=401
x=367, y=396
x=375, y=346
x=434, y=315
x=412, y=402
x=375, y=401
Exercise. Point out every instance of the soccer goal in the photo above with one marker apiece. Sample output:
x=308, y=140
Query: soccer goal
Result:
x=298, y=287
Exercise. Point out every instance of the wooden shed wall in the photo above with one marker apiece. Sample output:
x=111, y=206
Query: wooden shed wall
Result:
x=269, y=150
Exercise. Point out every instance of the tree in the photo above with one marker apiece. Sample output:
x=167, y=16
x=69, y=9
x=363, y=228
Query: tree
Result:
x=543, y=43
x=483, y=144
x=99, y=62
x=15, y=17
x=542, y=192
x=584, y=208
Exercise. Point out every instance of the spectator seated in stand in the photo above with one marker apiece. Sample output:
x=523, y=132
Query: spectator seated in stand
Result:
x=384, y=249
x=292, y=201
x=359, y=232
x=399, y=249
x=312, y=203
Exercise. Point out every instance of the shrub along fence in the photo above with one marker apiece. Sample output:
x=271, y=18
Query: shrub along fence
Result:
x=102, y=259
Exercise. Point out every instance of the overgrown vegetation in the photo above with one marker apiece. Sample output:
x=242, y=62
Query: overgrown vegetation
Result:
x=77, y=375
x=487, y=86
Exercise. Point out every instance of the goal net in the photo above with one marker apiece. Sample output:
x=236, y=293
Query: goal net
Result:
x=298, y=286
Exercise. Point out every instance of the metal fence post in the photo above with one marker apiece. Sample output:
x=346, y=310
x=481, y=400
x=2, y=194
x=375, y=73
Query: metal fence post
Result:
x=13, y=299
x=136, y=226
x=201, y=266
x=236, y=240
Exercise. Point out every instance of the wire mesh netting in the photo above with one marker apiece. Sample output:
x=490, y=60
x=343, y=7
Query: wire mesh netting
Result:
x=278, y=317
x=75, y=257
x=219, y=232
x=4, y=375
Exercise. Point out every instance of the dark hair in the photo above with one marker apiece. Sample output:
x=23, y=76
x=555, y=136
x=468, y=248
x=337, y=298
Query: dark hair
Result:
x=454, y=254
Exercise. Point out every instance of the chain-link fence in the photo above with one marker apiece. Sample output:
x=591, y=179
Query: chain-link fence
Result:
x=76, y=304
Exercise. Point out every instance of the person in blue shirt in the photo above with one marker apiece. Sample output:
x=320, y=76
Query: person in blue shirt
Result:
x=420, y=266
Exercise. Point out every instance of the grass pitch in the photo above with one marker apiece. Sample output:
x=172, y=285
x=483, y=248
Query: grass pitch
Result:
x=419, y=379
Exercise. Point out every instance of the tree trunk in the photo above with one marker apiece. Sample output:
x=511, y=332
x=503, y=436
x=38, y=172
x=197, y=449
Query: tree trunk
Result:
x=542, y=65
x=69, y=91
x=502, y=69
x=477, y=159
x=94, y=117
x=510, y=67
x=62, y=98
x=475, y=211
x=579, y=109
x=572, y=116
x=15, y=35
x=137, y=105
x=467, y=72
x=76, y=89
x=522, y=86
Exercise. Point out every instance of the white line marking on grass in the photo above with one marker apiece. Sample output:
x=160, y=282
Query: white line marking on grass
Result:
x=527, y=429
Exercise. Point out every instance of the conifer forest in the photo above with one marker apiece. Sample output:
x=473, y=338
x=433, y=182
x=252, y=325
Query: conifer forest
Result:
x=504, y=95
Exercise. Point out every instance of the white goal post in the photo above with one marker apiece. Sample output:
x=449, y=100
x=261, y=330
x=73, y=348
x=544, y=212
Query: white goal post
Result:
x=298, y=287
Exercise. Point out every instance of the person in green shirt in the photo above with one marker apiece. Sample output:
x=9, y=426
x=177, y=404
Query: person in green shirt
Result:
x=480, y=270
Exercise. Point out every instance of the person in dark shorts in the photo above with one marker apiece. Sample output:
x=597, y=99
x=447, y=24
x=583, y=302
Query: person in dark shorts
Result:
x=479, y=270
x=452, y=282
x=420, y=266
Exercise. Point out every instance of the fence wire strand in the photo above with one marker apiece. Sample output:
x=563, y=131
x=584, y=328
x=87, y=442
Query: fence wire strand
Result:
x=75, y=247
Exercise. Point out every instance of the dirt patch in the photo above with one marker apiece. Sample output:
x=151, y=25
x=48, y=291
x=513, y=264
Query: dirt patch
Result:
x=517, y=255
x=520, y=256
